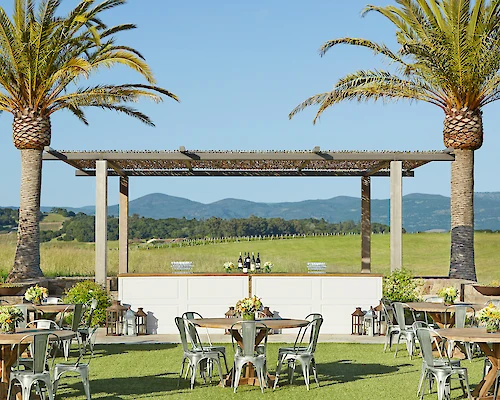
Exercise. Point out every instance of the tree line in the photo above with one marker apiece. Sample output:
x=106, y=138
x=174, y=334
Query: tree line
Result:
x=80, y=227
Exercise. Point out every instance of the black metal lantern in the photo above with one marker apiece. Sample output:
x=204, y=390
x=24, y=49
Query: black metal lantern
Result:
x=141, y=322
x=357, y=321
x=114, y=319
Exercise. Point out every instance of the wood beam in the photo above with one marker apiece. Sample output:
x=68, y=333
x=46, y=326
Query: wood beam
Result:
x=377, y=168
x=123, y=226
x=366, y=225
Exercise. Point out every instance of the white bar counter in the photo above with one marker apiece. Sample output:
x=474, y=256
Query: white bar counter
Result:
x=165, y=296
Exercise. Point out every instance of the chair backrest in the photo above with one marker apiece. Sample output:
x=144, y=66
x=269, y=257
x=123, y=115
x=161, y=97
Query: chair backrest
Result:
x=192, y=332
x=460, y=312
x=313, y=316
x=76, y=312
x=248, y=332
x=42, y=324
x=426, y=338
x=91, y=306
x=434, y=299
x=191, y=315
x=388, y=312
x=399, y=309
x=181, y=326
x=312, y=328
x=39, y=345
x=24, y=309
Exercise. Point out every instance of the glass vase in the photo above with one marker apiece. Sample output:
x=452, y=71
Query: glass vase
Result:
x=248, y=316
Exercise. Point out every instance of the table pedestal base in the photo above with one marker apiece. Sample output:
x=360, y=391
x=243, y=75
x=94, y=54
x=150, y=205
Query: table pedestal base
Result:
x=248, y=378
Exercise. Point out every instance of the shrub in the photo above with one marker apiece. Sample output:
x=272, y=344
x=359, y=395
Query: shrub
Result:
x=85, y=291
x=401, y=286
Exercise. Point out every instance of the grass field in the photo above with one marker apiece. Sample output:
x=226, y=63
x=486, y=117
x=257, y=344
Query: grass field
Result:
x=52, y=222
x=346, y=371
x=425, y=254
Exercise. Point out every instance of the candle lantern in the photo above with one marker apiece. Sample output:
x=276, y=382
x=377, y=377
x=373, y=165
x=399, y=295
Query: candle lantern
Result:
x=114, y=319
x=379, y=311
x=370, y=322
x=357, y=321
x=266, y=313
x=141, y=321
x=231, y=313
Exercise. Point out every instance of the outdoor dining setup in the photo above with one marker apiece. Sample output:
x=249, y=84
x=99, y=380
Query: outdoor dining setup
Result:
x=444, y=333
x=31, y=336
x=249, y=344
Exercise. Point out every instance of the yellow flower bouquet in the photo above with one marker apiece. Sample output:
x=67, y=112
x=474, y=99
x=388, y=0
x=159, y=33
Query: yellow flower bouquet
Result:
x=248, y=306
x=9, y=317
x=36, y=294
x=490, y=315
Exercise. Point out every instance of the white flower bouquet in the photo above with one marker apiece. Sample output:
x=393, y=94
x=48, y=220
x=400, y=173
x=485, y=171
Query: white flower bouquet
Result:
x=36, y=294
x=449, y=294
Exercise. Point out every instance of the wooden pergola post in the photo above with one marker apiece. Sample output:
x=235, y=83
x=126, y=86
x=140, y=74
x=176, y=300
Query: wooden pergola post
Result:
x=123, y=226
x=396, y=222
x=366, y=225
x=101, y=222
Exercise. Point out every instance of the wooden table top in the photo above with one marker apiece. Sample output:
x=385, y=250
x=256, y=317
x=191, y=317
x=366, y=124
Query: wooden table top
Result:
x=14, y=338
x=441, y=307
x=226, y=323
x=477, y=335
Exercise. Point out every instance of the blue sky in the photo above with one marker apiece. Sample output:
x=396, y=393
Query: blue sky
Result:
x=239, y=67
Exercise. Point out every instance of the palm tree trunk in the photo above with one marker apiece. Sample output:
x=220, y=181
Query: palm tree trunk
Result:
x=462, y=216
x=27, y=259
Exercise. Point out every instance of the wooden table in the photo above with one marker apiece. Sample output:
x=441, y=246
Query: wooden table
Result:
x=440, y=312
x=9, y=343
x=50, y=309
x=484, y=340
x=226, y=323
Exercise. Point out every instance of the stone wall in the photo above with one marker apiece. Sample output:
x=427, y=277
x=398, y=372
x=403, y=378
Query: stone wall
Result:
x=466, y=290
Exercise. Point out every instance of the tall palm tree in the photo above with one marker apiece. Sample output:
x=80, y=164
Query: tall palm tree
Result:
x=42, y=58
x=449, y=56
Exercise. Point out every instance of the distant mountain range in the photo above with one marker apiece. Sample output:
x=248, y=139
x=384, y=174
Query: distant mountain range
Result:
x=421, y=212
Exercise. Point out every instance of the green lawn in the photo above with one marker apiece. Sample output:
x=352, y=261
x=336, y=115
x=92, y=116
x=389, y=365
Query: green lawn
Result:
x=425, y=254
x=346, y=371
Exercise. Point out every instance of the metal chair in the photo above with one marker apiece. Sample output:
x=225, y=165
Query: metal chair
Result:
x=76, y=319
x=24, y=309
x=193, y=337
x=84, y=331
x=80, y=366
x=405, y=331
x=441, y=368
x=460, y=315
x=302, y=354
x=390, y=320
x=245, y=352
x=39, y=344
x=194, y=356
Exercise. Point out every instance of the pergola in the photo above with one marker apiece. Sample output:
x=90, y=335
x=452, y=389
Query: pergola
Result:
x=182, y=162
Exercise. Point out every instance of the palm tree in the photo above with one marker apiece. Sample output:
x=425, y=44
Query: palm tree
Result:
x=42, y=58
x=449, y=56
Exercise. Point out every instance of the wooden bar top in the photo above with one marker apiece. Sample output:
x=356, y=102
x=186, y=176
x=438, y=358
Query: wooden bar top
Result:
x=281, y=275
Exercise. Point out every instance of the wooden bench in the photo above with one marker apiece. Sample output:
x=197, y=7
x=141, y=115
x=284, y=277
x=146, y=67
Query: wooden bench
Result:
x=182, y=267
x=316, y=267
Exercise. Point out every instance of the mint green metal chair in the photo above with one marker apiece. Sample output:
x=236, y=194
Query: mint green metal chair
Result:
x=193, y=355
x=441, y=369
x=247, y=353
x=303, y=354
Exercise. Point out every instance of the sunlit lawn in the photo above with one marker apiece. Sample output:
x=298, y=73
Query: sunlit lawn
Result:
x=346, y=371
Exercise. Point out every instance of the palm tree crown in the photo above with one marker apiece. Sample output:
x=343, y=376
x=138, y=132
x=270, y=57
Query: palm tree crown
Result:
x=449, y=56
x=43, y=57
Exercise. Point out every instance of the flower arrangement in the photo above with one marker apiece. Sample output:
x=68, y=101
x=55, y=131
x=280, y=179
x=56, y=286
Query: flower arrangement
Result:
x=268, y=266
x=36, y=294
x=491, y=316
x=228, y=266
x=449, y=294
x=9, y=317
x=401, y=286
x=248, y=306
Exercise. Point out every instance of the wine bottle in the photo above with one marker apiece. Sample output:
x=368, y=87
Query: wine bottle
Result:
x=257, y=262
x=246, y=265
x=240, y=262
x=252, y=262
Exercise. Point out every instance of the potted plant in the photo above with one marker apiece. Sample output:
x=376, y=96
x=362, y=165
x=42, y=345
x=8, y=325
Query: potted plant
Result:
x=9, y=317
x=490, y=315
x=36, y=294
x=489, y=289
x=248, y=306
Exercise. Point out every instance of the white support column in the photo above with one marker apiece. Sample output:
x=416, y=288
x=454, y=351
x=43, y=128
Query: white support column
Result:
x=396, y=222
x=101, y=217
x=123, y=226
x=366, y=225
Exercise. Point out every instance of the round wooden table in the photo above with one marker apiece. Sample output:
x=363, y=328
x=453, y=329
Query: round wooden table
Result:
x=9, y=343
x=440, y=312
x=226, y=323
x=484, y=340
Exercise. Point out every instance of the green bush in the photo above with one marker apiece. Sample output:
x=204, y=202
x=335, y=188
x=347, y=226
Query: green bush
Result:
x=83, y=292
x=401, y=286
